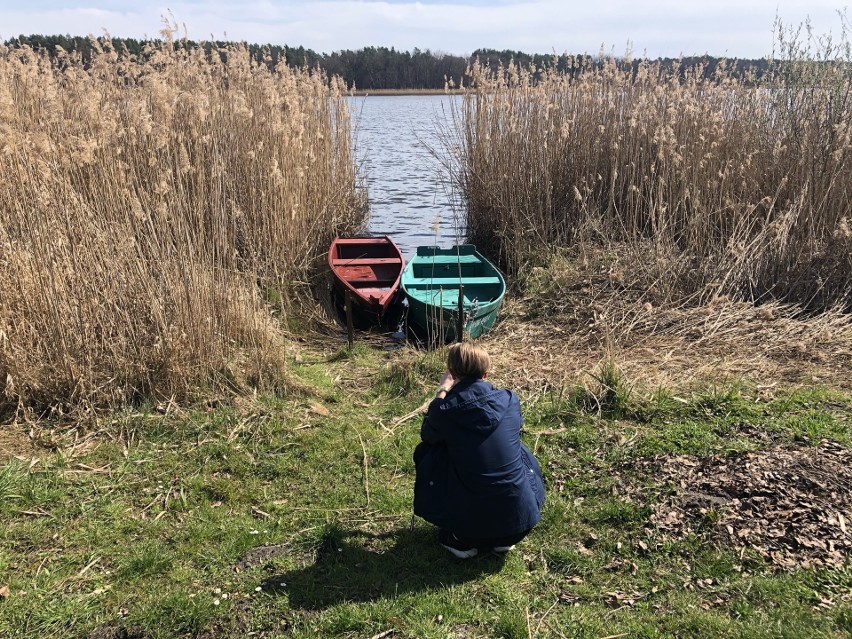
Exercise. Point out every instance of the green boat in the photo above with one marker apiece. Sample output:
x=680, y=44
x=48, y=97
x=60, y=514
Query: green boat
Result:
x=432, y=280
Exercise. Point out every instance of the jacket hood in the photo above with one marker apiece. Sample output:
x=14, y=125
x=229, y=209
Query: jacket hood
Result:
x=476, y=405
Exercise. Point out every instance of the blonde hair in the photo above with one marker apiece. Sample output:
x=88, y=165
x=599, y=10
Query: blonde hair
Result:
x=467, y=360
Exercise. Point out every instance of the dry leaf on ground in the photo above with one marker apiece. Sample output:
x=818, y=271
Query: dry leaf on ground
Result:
x=790, y=505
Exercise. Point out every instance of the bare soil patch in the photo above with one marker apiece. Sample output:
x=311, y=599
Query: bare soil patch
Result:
x=793, y=506
x=259, y=556
x=112, y=632
x=15, y=442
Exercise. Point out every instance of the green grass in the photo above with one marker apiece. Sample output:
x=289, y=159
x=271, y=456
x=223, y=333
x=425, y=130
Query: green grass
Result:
x=290, y=517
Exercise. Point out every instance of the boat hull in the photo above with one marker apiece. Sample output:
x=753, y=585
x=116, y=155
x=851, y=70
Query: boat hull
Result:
x=434, y=280
x=369, y=269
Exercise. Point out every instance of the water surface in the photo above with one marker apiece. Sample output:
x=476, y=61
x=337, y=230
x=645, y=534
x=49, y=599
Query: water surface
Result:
x=409, y=188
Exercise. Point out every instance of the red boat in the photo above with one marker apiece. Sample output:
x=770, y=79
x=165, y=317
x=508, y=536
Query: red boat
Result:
x=370, y=268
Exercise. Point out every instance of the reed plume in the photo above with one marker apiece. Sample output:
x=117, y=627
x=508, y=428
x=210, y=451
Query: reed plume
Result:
x=698, y=185
x=146, y=206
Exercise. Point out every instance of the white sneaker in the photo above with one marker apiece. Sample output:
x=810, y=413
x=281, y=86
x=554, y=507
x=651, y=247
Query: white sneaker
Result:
x=449, y=541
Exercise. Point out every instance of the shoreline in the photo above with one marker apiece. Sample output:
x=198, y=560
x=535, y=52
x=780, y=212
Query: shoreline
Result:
x=360, y=93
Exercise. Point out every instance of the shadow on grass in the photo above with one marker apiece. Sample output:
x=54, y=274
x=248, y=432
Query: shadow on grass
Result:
x=346, y=571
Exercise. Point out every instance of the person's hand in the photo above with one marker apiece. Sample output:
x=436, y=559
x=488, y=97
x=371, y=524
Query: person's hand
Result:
x=447, y=381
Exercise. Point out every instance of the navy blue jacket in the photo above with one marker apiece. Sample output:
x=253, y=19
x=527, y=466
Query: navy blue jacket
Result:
x=474, y=476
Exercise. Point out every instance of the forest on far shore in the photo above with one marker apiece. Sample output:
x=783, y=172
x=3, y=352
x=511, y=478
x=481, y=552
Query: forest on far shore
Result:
x=379, y=68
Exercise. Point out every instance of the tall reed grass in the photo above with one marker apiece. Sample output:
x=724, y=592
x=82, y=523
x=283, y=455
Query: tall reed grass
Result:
x=145, y=207
x=697, y=187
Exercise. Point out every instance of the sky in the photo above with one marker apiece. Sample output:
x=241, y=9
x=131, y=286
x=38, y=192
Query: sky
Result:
x=666, y=28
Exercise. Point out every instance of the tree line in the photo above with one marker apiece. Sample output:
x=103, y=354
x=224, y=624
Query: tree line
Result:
x=379, y=68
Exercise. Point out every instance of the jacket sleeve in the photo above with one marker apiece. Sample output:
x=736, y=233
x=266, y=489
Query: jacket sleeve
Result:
x=431, y=431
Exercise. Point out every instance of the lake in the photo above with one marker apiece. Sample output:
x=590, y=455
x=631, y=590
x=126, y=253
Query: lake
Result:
x=409, y=189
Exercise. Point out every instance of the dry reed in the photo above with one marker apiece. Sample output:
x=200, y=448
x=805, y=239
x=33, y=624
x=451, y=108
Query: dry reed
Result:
x=725, y=342
x=736, y=186
x=147, y=208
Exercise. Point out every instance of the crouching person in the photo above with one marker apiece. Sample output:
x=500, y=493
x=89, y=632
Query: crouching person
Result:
x=475, y=480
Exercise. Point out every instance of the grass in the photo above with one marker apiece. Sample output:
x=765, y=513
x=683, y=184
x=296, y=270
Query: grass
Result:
x=289, y=516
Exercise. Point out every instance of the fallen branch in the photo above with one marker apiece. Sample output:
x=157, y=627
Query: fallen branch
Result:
x=417, y=411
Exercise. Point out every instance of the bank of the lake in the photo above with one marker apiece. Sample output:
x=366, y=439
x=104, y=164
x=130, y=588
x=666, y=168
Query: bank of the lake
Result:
x=386, y=92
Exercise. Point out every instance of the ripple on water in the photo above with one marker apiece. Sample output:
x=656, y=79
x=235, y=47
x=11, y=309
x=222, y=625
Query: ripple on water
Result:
x=406, y=184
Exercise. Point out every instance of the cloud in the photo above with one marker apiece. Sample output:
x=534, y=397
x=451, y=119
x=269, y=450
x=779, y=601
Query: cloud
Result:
x=737, y=28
